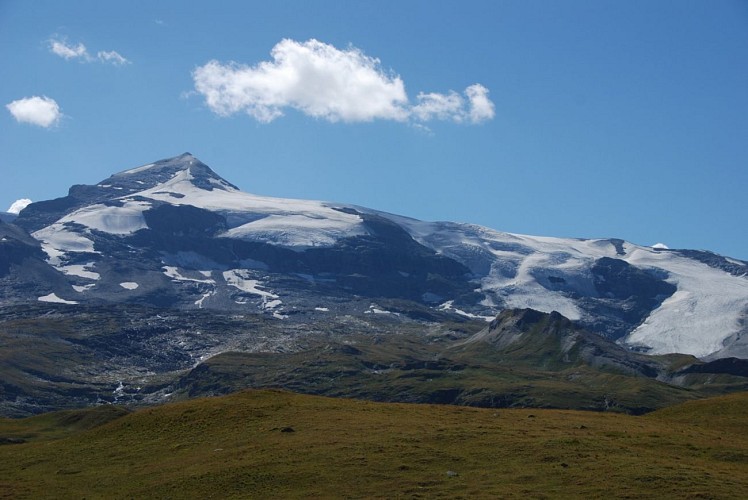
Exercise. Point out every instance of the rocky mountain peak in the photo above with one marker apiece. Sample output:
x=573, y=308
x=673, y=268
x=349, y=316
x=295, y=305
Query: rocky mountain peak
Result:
x=525, y=319
x=151, y=175
x=182, y=168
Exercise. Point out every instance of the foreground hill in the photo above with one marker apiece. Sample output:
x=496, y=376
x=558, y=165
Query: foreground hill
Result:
x=175, y=234
x=270, y=444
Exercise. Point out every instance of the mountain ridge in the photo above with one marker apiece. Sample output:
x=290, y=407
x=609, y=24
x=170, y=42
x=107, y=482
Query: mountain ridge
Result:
x=175, y=233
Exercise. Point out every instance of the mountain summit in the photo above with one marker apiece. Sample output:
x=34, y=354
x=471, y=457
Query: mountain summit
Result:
x=175, y=234
x=160, y=172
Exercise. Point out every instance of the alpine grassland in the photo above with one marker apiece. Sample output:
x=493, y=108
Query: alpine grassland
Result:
x=278, y=444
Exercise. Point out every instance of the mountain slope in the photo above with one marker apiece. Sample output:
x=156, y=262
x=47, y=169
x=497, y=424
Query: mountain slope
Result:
x=525, y=358
x=175, y=234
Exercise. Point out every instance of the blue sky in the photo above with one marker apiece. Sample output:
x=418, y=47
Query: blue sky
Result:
x=586, y=119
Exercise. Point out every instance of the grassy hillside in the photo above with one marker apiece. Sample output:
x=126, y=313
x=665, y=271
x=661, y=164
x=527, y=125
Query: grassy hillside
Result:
x=271, y=444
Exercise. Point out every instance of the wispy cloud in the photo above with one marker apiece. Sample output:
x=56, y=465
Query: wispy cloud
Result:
x=67, y=52
x=112, y=57
x=60, y=47
x=324, y=82
x=40, y=111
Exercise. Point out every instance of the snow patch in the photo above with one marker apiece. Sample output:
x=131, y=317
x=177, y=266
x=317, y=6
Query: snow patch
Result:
x=199, y=302
x=81, y=289
x=137, y=169
x=272, y=304
x=80, y=270
x=57, y=240
x=173, y=273
x=375, y=309
x=242, y=279
x=129, y=285
x=55, y=299
x=322, y=309
x=449, y=306
x=734, y=261
x=113, y=220
x=295, y=230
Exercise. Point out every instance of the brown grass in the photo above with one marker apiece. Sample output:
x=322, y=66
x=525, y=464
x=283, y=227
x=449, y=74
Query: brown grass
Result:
x=271, y=444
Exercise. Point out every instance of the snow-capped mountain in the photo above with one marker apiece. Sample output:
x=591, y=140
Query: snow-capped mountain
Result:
x=174, y=233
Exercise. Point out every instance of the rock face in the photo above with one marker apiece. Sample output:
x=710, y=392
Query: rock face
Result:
x=175, y=234
x=551, y=340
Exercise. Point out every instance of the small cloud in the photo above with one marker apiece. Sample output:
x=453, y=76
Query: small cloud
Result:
x=18, y=205
x=112, y=57
x=160, y=22
x=325, y=82
x=67, y=51
x=481, y=107
x=61, y=48
x=439, y=106
x=41, y=111
x=452, y=106
x=660, y=246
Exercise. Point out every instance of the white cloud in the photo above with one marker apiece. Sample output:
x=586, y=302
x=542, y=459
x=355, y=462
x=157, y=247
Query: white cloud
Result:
x=660, y=246
x=42, y=111
x=452, y=106
x=62, y=48
x=113, y=57
x=322, y=81
x=481, y=107
x=439, y=106
x=312, y=77
x=67, y=52
x=18, y=205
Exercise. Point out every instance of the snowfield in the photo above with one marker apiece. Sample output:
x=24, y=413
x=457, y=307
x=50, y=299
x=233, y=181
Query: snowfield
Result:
x=293, y=223
x=113, y=220
x=714, y=302
x=705, y=310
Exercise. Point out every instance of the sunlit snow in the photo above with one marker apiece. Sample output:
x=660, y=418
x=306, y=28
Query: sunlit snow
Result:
x=80, y=270
x=113, y=220
x=57, y=240
x=508, y=267
x=173, y=273
x=55, y=299
x=240, y=278
x=293, y=223
x=199, y=302
x=700, y=315
x=137, y=169
x=129, y=285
